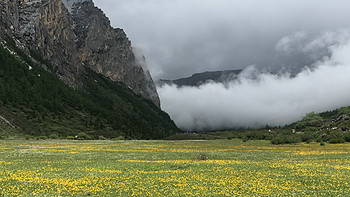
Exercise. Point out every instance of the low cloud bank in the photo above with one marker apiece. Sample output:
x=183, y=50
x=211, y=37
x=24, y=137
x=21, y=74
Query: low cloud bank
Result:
x=257, y=99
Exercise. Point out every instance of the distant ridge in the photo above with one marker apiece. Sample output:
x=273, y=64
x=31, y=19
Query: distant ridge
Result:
x=204, y=77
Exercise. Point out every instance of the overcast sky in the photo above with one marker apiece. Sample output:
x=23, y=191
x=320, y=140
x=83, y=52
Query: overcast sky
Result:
x=182, y=37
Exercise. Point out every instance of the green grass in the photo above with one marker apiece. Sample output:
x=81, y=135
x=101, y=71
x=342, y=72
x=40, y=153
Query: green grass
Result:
x=172, y=168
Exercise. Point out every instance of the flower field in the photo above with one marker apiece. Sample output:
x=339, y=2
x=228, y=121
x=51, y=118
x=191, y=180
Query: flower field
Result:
x=172, y=168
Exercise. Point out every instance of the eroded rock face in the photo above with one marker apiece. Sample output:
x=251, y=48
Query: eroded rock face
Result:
x=74, y=35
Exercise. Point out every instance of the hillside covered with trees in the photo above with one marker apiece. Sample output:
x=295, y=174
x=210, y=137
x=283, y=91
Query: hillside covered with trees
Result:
x=35, y=102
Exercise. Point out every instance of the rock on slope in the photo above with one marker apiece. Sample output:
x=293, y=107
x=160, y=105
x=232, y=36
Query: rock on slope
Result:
x=75, y=35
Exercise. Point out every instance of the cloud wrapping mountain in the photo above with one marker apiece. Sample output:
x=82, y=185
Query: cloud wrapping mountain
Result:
x=257, y=99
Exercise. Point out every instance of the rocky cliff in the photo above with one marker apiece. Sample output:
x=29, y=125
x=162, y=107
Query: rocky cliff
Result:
x=75, y=35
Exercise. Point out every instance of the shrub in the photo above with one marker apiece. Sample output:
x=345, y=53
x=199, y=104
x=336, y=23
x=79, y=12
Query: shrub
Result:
x=43, y=137
x=323, y=137
x=285, y=139
x=336, y=137
x=129, y=138
x=307, y=136
x=277, y=140
x=347, y=136
x=101, y=137
x=308, y=141
x=119, y=138
x=27, y=137
x=53, y=136
x=83, y=136
x=70, y=138
x=254, y=135
x=292, y=139
x=336, y=140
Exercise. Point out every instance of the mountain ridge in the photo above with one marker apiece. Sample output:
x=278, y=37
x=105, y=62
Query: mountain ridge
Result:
x=198, y=79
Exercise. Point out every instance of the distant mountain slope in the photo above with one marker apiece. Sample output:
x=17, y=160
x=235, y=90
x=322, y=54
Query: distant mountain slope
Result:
x=201, y=78
x=36, y=102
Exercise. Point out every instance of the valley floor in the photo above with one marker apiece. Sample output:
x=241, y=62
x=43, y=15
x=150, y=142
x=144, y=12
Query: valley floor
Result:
x=172, y=168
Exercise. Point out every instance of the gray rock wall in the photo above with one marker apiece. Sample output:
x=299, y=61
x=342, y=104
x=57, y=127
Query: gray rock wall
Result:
x=74, y=35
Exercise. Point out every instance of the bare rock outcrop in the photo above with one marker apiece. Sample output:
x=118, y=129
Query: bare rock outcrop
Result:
x=75, y=35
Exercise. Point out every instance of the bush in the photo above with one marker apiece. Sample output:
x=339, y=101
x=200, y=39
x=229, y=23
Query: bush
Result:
x=119, y=138
x=292, y=139
x=53, y=136
x=336, y=137
x=347, y=136
x=255, y=135
x=277, y=140
x=101, y=137
x=27, y=137
x=70, y=138
x=42, y=137
x=323, y=137
x=336, y=140
x=83, y=136
x=285, y=139
x=307, y=136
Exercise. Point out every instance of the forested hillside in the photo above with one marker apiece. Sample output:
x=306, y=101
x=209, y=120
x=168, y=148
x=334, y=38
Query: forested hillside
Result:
x=36, y=102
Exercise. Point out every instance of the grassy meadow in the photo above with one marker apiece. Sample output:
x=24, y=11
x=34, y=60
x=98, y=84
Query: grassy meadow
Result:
x=172, y=168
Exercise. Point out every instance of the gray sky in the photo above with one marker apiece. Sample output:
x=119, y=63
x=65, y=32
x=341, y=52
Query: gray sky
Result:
x=182, y=37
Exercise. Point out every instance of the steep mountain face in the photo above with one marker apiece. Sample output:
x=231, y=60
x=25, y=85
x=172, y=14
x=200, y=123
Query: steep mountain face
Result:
x=205, y=77
x=64, y=70
x=35, y=102
x=75, y=35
